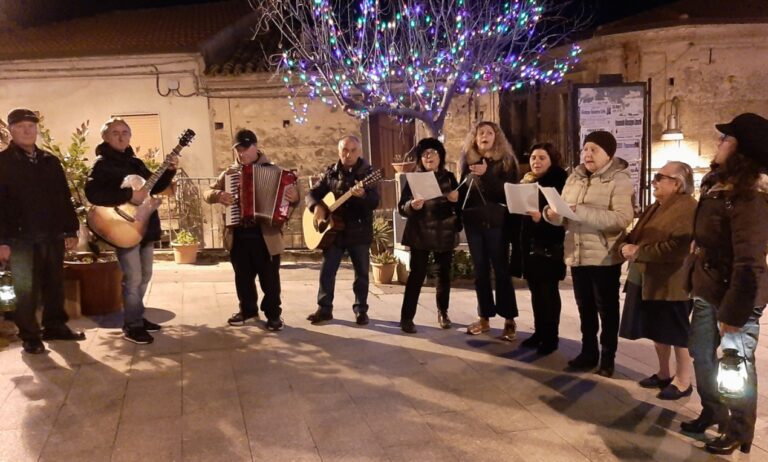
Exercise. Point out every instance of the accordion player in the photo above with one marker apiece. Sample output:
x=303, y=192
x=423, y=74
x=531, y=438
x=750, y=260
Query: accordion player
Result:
x=259, y=195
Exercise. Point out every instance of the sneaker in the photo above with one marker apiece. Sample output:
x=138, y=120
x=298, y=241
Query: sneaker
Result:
x=137, y=335
x=150, y=326
x=33, y=347
x=62, y=332
x=275, y=324
x=318, y=317
x=361, y=319
x=479, y=326
x=510, y=330
x=239, y=319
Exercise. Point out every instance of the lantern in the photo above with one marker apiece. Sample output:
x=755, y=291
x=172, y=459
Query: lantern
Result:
x=732, y=375
x=7, y=295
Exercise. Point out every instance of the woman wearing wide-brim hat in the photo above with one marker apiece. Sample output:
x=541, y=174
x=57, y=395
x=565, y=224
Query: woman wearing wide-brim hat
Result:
x=729, y=277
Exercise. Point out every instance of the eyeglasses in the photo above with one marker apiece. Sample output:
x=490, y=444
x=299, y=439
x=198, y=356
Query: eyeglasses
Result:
x=429, y=152
x=660, y=176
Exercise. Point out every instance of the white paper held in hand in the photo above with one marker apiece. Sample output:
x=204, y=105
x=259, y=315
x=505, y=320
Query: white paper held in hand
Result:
x=423, y=185
x=522, y=198
x=558, y=204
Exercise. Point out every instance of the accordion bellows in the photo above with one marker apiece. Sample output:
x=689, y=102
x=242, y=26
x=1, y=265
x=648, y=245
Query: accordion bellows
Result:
x=259, y=195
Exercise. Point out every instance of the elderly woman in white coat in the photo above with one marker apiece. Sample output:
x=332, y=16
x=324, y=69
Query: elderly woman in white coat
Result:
x=600, y=192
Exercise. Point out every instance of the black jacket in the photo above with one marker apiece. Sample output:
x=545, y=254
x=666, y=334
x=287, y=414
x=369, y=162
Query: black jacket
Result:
x=109, y=170
x=540, y=245
x=357, y=212
x=35, y=202
x=436, y=225
x=728, y=265
x=484, y=207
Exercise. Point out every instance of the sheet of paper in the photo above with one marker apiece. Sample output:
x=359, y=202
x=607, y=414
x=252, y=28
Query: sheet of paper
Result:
x=558, y=204
x=522, y=198
x=423, y=185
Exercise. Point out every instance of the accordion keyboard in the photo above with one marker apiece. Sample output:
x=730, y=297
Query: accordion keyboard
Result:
x=232, y=186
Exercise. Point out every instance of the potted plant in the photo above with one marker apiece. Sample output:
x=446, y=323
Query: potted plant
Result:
x=402, y=272
x=383, y=267
x=185, y=247
x=92, y=277
x=404, y=162
x=383, y=237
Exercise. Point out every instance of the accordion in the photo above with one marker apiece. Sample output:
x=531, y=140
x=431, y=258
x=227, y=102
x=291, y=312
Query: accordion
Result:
x=259, y=195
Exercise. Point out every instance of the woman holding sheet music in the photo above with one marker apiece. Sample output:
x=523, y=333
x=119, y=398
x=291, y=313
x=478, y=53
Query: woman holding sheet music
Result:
x=486, y=164
x=540, y=259
x=599, y=192
x=433, y=226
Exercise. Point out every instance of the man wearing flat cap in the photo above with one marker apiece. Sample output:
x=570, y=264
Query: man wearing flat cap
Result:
x=37, y=222
x=254, y=247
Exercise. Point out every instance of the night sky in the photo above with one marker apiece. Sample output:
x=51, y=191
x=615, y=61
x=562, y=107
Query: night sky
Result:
x=36, y=12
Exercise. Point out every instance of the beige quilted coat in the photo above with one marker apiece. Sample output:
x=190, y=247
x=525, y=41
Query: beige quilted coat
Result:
x=604, y=202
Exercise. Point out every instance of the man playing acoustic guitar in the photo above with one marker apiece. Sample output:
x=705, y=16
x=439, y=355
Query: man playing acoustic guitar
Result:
x=115, y=160
x=356, y=236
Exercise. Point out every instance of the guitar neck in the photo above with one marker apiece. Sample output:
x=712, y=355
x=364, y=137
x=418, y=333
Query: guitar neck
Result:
x=340, y=201
x=156, y=176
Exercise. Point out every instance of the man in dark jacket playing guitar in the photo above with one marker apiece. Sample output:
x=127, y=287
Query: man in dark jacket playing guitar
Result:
x=357, y=234
x=106, y=187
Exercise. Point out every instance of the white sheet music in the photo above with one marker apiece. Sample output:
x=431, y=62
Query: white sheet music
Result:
x=558, y=204
x=522, y=198
x=423, y=185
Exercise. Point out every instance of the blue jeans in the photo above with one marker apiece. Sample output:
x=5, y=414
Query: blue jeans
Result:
x=488, y=247
x=136, y=264
x=331, y=260
x=703, y=343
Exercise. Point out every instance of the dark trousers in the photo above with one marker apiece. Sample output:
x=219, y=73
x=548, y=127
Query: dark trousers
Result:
x=596, y=289
x=38, y=275
x=419, y=268
x=545, y=300
x=488, y=247
x=331, y=260
x=250, y=258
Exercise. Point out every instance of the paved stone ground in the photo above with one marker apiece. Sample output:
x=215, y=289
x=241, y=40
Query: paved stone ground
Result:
x=205, y=391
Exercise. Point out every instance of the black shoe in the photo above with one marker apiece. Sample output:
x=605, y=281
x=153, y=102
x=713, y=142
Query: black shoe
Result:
x=318, y=317
x=725, y=445
x=62, y=333
x=137, y=335
x=239, y=319
x=443, y=320
x=583, y=362
x=150, y=326
x=275, y=324
x=531, y=342
x=671, y=393
x=699, y=424
x=362, y=319
x=546, y=348
x=33, y=347
x=606, y=365
x=408, y=327
x=655, y=382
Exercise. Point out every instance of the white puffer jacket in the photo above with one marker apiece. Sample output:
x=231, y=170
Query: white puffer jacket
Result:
x=604, y=202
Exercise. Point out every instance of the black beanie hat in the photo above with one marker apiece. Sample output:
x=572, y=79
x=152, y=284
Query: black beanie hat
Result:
x=603, y=139
x=429, y=143
x=751, y=133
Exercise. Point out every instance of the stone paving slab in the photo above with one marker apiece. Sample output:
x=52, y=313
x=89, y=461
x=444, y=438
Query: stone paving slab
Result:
x=207, y=391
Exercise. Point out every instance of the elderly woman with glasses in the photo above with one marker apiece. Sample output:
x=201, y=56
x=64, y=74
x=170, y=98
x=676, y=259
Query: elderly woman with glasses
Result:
x=657, y=306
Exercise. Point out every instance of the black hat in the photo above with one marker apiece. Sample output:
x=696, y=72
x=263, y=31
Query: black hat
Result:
x=603, y=139
x=751, y=132
x=244, y=139
x=21, y=114
x=429, y=143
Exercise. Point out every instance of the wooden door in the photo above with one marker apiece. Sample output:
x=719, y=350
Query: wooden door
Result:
x=389, y=138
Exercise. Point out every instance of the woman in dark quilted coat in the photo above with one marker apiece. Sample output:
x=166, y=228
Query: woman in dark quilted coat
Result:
x=729, y=279
x=432, y=227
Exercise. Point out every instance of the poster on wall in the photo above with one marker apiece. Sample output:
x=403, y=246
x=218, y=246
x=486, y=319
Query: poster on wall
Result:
x=621, y=110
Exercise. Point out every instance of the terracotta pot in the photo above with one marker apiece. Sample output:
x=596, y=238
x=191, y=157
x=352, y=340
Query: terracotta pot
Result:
x=99, y=285
x=402, y=167
x=383, y=273
x=185, y=254
x=402, y=273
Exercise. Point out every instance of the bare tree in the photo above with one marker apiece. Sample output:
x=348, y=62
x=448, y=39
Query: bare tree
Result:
x=409, y=58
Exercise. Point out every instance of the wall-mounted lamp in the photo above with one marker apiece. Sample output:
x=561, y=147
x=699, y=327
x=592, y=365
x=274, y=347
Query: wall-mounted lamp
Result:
x=673, y=131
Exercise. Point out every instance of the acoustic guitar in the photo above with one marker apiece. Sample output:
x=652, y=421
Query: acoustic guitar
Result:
x=124, y=226
x=323, y=237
